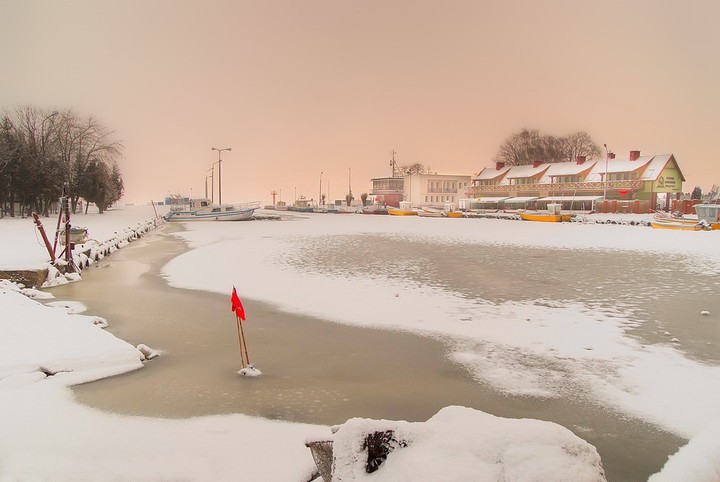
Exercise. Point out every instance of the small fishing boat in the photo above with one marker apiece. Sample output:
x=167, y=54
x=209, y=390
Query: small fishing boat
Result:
x=545, y=217
x=430, y=213
x=454, y=214
x=708, y=219
x=681, y=225
x=204, y=210
x=552, y=215
x=375, y=209
x=405, y=209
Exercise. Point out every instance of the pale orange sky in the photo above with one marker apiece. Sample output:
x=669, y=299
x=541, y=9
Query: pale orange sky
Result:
x=297, y=87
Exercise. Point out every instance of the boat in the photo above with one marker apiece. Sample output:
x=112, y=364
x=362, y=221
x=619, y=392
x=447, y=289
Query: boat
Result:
x=552, y=215
x=681, y=225
x=405, y=209
x=301, y=205
x=708, y=219
x=430, y=213
x=546, y=217
x=449, y=211
x=204, y=210
x=375, y=209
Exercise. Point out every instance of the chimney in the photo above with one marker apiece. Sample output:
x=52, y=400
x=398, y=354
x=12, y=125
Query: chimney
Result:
x=499, y=165
x=611, y=155
x=536, y=164
x=634, y=155
x=580, y=160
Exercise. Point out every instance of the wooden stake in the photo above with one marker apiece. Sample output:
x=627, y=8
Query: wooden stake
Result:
x=244, y=344
x=240, y=342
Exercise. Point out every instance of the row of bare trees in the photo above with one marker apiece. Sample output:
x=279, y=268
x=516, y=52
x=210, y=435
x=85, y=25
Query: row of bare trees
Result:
x=528, y=145
x=43, y=152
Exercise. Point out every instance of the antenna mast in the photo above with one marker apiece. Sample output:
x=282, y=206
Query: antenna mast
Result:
x=392, y=162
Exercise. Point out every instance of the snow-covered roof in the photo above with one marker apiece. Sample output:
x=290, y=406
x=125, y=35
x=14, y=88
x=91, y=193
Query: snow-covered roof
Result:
x=491, y=173
x=490, y=199
x=520, y=200
x=568, y=168
x=617, y=165
x=570, y=198
x=655, y=167
x=519, y=172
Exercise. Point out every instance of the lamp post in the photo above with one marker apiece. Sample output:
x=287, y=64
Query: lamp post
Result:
x=219, y=163
x=320, y=195
x=212, y=179
x=607, y=155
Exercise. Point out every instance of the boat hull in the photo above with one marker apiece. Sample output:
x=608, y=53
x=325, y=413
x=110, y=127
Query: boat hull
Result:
x=682, y=226
x=399, y=212
x=547, y=218
x=179, y=216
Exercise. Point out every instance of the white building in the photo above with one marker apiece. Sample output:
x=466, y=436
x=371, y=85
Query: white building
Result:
x=435, y=190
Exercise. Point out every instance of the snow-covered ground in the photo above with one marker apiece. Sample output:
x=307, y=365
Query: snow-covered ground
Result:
x=46, y=349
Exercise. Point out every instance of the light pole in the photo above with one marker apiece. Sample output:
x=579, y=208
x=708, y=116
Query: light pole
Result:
x=219, y=163
x=607, y=155
x=320, y=195
x=212, y=179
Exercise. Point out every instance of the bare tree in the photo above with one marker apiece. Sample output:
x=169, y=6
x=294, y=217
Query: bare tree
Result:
x=528, y=146
x=521, y=148
x=415, y=168
x=580, y=144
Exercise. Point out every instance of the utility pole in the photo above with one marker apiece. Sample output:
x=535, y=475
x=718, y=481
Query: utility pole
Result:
x=219, y=163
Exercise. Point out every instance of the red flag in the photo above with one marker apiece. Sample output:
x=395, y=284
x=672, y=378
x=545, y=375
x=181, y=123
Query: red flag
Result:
x=237, y=306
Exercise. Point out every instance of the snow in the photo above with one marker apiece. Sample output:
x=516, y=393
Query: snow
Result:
x=460, y=444
x=45, y=349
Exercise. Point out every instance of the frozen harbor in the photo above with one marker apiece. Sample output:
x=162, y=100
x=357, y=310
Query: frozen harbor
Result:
x=597, y=328
x=322, y=372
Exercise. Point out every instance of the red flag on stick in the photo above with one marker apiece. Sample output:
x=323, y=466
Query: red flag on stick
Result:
x=237, y=306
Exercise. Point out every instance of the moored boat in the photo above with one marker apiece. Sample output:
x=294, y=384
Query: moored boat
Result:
x=405, y=209
x=681, y=225
x=545, y=217
x=708, y=219
x=552, y=215
x=430, y=213
x=204, y=210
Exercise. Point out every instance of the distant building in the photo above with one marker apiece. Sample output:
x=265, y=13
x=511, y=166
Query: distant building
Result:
x=434, y=190
x=633, y=181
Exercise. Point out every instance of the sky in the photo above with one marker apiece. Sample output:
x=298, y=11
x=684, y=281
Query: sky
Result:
x=318, y=93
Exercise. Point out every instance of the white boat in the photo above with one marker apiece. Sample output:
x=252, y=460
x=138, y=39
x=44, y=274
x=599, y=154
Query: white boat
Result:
x=204, y=210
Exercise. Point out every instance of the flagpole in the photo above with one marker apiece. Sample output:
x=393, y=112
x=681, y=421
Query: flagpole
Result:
x=240, y=343
x=244, y=344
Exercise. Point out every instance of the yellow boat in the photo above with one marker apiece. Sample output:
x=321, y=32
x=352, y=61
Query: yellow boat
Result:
x=401, y=212
x=708, y=218
x=546, y=217
x=454, y=214
x=682, y=225
x=405, y=209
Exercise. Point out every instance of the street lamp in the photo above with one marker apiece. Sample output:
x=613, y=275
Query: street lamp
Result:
x=212, y=179
x=219, y=163
x=320, y=195
x=607, y=156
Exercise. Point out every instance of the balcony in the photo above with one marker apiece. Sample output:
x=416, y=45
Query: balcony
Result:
x=575, y=187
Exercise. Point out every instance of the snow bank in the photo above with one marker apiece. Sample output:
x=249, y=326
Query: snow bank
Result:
x=460, y=444
x=43, y=342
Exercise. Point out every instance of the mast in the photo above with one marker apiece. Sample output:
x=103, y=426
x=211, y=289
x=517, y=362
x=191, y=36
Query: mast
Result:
x=392, y=162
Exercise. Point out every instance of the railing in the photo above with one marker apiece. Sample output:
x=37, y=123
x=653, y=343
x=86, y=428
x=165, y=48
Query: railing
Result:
x=579, y=187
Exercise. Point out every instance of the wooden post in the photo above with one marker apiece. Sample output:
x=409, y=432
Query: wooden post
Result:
x=50, y=250
x=240, y=341
x=244, y=344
